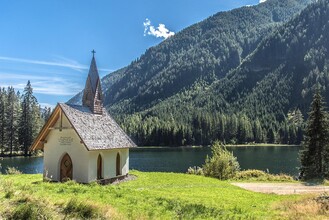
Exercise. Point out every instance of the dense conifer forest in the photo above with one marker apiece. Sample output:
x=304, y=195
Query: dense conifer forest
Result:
x=21, y=119
x=241, y=76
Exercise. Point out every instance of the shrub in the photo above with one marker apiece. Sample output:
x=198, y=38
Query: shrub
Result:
x=195, y=171
x=250, y=174
x=326, y=182
x=222, y=165
x=258, y=175
x=12, y=171
x=80, y=209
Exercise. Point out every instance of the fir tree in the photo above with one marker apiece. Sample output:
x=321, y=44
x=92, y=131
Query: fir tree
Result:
x=30, y=118
x=314, y=156
x=2, y=119
x=11, y=120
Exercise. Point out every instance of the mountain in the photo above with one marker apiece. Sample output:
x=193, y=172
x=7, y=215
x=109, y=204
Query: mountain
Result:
x=203, y=52
x=269, y=93
x=214, y=80
x=282, y=73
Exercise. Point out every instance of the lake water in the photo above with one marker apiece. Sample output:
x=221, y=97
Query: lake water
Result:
x=275, y=159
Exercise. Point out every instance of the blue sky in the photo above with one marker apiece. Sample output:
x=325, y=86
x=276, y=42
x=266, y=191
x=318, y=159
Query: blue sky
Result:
x=49, y=42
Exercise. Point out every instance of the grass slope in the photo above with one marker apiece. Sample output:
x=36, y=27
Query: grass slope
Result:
x=150, y=196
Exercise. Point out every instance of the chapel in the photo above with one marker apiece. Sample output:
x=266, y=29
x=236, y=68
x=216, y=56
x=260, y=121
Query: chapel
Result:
x=83, y=142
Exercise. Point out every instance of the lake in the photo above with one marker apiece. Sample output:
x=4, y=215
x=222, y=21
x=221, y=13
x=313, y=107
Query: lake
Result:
x=276, y=159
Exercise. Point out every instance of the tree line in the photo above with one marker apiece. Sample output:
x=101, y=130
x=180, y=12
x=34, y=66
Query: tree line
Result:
x=21, y=119
x=204, y=128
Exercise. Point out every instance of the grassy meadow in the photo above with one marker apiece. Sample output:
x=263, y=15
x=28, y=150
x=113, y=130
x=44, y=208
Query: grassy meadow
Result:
x=150, y=196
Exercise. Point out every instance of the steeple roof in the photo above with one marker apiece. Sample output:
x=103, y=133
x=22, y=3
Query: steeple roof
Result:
x=92, y=95
x=93, y=74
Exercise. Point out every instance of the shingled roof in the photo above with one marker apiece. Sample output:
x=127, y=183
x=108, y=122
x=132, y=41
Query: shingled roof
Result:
x=93, y=74
x=92, y=94
x=97, y=132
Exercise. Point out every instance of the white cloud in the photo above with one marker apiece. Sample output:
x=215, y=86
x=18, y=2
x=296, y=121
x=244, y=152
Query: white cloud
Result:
x=262, y=1
x=160, y=31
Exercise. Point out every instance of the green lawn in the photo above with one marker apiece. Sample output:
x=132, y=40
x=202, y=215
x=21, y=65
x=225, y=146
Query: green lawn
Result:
x=150, y=196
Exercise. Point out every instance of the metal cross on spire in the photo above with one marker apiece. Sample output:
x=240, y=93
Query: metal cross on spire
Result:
x=93, y=52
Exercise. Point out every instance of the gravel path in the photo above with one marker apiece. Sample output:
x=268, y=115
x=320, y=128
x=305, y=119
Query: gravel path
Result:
x=284, y=188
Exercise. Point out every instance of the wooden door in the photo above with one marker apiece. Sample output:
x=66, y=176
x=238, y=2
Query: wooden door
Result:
x=99, y=167
x=118, y=165
x=66, y=168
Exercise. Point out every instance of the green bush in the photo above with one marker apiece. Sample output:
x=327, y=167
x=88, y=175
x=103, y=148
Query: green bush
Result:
x=222, y=164
x=195, y=171
x=258, y=175
x=250, y=174
x=13, y=171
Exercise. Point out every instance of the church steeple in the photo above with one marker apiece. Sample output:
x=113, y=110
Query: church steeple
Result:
x=92, y=95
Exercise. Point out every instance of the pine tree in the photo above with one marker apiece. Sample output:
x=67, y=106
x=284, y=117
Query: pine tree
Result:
x=46, y=113
x=30, y=118
x=2, y=119
x=11, y=120
x=314, y=156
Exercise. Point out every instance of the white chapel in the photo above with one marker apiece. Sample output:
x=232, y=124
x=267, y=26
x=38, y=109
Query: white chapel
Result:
x=84, y=143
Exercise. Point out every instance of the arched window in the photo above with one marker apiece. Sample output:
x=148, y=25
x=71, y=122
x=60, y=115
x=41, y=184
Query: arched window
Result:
x=118, y=166
x=99, y=167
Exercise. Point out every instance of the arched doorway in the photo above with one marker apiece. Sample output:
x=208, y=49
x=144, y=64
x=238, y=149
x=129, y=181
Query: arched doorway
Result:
x=118, y=165
x=66, y=168
x=99, y=167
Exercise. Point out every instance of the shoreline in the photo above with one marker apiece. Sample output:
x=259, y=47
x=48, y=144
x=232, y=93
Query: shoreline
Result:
x=18, y=156
x=179, y=147
x=263, y=145
x=228, y=145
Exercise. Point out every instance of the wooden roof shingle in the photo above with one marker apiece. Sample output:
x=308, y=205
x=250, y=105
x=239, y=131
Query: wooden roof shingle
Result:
x=96, y=131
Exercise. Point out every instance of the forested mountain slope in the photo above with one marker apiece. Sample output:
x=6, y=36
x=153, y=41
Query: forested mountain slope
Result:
x=261, y=100
x=205, y=51
x=282, y=73
x=188, y=89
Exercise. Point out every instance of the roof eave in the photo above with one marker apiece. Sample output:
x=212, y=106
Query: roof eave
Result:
x=37, y=144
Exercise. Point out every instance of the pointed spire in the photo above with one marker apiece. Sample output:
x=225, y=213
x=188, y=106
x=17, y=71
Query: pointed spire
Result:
x=93, y=74
x=92, y=96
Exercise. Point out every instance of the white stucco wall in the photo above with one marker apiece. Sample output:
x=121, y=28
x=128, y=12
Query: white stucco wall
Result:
x=58, y=144
x=84, y=162
x=109, y=163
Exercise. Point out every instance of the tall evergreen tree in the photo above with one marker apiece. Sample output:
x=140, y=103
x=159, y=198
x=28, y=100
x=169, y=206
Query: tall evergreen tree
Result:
x=30, y=118
x=11, y=120
x=46, y=113
x=314, y=156
x=2, y=119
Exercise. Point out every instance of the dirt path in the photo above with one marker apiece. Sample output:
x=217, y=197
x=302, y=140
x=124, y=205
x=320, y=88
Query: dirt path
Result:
x=283, y=188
